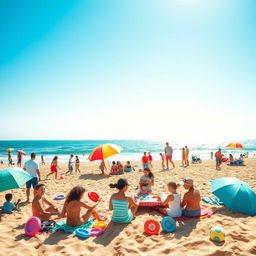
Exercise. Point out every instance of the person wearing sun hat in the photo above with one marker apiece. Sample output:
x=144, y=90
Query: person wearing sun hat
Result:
x=191, y=199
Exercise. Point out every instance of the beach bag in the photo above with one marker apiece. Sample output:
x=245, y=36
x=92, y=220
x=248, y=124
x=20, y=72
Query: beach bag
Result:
x=46, y=226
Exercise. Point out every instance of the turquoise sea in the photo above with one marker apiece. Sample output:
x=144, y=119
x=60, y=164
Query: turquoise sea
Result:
x=132, y=149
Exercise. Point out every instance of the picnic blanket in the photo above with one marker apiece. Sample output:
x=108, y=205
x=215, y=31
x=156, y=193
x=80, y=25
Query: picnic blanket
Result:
x=212, y=200
x=150, y=200
x=68, y=229
x=205, y=212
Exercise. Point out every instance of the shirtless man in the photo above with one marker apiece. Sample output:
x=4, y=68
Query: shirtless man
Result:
x=39, y=204
x=191, y=199
x=218, y=157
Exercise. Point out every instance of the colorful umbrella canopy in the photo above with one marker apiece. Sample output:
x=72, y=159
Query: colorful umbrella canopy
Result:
x=9, y=150
x=104, y=151
x=235, y=145
x=21, y=152
x=235, y=194
x=14, y=177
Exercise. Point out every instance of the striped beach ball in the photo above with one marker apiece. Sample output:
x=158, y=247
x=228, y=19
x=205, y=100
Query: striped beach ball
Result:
x=217, y=234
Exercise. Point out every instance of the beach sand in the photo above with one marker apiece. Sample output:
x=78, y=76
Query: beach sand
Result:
x=190, y=238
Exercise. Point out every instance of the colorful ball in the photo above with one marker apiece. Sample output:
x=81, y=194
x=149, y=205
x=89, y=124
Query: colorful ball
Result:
x=217, y=234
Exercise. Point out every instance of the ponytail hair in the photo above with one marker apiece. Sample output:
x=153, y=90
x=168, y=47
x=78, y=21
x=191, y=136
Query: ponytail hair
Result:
x=121, y=183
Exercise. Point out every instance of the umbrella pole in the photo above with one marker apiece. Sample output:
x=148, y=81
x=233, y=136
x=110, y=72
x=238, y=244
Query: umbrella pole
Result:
x=108, y=164
x=14, y=196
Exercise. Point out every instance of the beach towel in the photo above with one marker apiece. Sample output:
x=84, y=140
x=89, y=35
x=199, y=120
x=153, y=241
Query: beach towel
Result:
x=68, y=229
x=205, y=212
x=212, y=200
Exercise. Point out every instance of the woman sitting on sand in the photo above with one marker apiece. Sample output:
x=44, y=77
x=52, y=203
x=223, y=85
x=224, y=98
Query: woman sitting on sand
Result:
x=147, y=179
x=124, y=208
x=128, y=167
x=120, y=167
x=72, y=208
x=114, y=169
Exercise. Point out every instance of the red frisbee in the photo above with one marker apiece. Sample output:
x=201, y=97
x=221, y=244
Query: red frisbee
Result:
x=93, y=196
x=151, y=227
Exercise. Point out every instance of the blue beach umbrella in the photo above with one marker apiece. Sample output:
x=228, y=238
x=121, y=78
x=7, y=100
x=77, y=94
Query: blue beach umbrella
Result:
x=235, y=194
x=14, y=177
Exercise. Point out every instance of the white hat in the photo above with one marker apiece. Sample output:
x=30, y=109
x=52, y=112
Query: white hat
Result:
x=188, y=181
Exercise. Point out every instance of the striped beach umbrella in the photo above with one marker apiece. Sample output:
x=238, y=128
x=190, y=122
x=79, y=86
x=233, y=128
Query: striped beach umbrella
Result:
x=235, y=145
x=104, y=151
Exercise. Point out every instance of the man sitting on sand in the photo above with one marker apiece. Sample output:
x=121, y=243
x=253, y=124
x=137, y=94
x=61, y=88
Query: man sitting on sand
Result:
x=191, y=199
x=38, y=204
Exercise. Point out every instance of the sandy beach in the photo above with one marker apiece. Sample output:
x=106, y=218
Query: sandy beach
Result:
x=190, y=238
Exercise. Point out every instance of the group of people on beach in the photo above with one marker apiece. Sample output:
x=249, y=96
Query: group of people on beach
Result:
x=124, y=207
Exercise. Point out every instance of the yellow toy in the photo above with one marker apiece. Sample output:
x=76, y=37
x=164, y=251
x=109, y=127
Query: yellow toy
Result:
x=100, y=224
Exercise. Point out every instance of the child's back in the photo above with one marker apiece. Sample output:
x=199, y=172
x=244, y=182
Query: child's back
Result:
x=174, y=209
x=8, y=207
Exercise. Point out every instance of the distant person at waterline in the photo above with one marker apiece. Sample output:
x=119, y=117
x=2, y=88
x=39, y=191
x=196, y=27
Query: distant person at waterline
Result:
x=150, y=159
x=19, y=160
x=168, y=155
x=42, y=159
x=77, y=165
x=32, y=167
x=70, y=165
x=186, y=151
x=9, y=159
x=162, y=160
x=145, y=160
x=218, y=157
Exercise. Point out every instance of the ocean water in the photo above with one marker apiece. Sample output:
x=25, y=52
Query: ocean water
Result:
x=132, y=149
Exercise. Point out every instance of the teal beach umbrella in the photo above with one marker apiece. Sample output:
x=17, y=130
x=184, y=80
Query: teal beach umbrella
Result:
x=11, y=178
x=235, y=194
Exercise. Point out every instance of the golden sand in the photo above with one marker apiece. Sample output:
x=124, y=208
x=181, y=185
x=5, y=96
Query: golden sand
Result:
x=190, y=238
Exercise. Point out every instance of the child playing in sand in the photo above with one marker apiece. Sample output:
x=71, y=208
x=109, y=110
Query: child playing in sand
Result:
x=143, y=189
x=72, y=208
x=123, y=207
x=128, y=167
x=39, y=204
x=54, y=168
x=148, y=179
x=102, y=167
x=8, y=206
x=172, y=202
x=113, y=170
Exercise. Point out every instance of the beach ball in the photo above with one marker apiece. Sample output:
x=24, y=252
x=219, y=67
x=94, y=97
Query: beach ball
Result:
x=217, y=234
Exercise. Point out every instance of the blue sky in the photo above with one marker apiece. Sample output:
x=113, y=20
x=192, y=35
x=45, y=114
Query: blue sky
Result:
x=180, y=69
